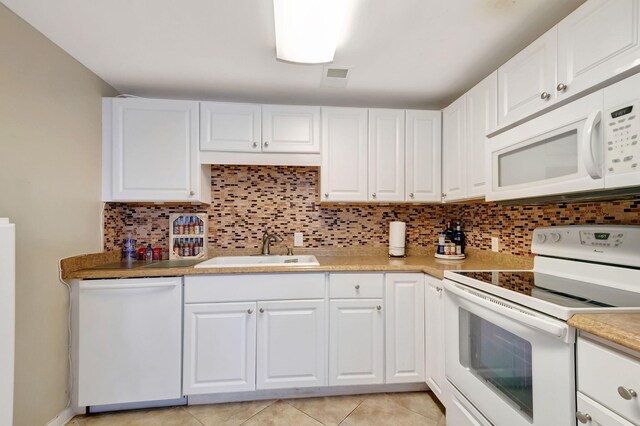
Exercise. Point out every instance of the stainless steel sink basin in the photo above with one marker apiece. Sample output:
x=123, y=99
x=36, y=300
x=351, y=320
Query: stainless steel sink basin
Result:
x=258, y=261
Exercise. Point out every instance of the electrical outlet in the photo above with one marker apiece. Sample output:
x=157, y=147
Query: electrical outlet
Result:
x=495, y=244
x=298, y=239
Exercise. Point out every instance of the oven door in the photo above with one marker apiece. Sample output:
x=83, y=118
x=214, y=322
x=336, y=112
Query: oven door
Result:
x=514, y=365
x=557, y=153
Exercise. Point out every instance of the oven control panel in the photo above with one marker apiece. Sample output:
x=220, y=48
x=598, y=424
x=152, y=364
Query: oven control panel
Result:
x=615, y=244
x=622, y=138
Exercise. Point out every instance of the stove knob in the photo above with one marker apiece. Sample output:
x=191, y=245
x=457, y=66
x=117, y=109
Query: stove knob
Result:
x=541, y=238
x=555, y=237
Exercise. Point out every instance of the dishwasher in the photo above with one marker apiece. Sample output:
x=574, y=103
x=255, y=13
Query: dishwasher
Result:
x=129, y=340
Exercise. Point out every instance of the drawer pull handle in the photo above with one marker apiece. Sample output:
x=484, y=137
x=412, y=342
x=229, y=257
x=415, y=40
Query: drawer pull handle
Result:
x=583, y=417
x=379, y=307
x=261, y=310
x=357, y=286
x=250, y=311
x=627, y=394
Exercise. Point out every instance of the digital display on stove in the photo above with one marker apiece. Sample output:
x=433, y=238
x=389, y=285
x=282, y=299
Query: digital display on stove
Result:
x=601, y=235
x=621, y=112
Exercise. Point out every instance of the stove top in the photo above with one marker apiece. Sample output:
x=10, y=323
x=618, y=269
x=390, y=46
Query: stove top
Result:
x=554, y=295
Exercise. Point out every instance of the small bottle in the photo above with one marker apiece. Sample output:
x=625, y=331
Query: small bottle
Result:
x=175, y=226
x=176, y=247
x=459, y=239
x=180, y=226
x=441, y=241
x=448, y=232
x=148, y=254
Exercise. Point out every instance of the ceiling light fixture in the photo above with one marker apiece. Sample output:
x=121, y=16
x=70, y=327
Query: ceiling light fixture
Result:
x=307, y=31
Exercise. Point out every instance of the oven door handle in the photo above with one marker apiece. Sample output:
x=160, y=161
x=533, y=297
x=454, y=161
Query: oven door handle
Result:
x=508, y=310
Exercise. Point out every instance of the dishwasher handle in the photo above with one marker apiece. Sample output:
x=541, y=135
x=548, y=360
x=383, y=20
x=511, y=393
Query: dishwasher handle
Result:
x=123, y=286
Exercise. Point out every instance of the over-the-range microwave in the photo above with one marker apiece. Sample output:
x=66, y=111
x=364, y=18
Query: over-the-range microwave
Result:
x=590, y=146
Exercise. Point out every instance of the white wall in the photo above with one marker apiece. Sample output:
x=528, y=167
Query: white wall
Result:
x=50, y=138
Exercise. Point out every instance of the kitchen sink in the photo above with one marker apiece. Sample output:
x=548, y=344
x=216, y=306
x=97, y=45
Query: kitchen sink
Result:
x=258, y=261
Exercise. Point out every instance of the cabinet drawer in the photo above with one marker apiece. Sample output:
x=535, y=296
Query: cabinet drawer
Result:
x=350, y=286
x=601, y=371
x=240, y=287
x=599, y=415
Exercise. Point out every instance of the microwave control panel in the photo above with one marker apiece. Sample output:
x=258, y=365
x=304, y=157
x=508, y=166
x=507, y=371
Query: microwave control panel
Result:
x=621, y=138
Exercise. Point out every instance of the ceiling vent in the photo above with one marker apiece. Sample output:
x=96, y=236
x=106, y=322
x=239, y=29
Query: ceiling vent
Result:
x=333, y=76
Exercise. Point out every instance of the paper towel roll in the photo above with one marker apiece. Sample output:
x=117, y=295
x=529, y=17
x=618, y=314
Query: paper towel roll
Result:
x=397, y=231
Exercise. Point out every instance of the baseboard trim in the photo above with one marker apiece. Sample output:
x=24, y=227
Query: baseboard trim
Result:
x=62, y=418
x=302, y=393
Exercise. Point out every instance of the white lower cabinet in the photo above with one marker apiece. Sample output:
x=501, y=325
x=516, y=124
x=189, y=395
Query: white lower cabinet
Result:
x=219, y=347
x=404, y=324
x=591, y=413
x=292, y=344
x=434, y=336
x=356, y=342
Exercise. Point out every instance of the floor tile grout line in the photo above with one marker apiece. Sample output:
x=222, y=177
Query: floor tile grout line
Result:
x=311, y=417
x=351, y=412
x=273, y=401
x=183, y=407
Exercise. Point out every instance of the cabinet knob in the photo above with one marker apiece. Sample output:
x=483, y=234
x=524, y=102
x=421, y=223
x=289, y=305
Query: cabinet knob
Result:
x=373, y=195
x=379, y=307
x=545, y=96
x=439, y=289
x=262, y=310
x=444, y=195
x=357, y=286
x=627, y=394
x=266, y=143
x=561, y=87
x=583, y=417
x=191, y=193
x=326, y=195
x=250, y=311
x=255, y=144
x=411, y=195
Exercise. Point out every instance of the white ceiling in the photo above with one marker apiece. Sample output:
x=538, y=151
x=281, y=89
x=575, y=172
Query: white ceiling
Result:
x=405, y=53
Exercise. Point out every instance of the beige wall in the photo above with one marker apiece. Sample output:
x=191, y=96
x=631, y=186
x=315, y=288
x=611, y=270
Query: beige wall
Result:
x=50, y=138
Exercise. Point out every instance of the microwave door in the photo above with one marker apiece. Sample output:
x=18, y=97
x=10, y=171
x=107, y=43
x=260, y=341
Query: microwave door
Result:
x=555, y=154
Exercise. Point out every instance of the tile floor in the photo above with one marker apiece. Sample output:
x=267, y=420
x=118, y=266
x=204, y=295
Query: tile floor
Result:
x=393, y=409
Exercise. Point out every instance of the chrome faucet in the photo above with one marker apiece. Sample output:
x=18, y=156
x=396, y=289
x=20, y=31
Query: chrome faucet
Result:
x=267, y=239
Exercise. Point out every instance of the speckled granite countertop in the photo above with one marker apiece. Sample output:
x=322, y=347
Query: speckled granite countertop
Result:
x=623, y=329
x=105, y=265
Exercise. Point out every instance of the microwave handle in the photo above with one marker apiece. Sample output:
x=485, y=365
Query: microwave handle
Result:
x=587, y=145
x=505, y=309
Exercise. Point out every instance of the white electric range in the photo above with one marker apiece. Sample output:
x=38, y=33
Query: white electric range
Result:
x=510, y=353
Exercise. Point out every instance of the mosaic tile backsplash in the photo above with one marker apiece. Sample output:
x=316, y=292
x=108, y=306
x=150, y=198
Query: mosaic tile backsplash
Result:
x=245, y=199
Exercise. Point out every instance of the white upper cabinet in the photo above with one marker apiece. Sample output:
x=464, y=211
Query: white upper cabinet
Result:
x=482, y=118
x=527, y=82
x=386, y=155
x=343, y=176
x=423, y=157
x=287, y=128
x=596, y=42
x=230, y=127
x=150, y=151
x=453, y=151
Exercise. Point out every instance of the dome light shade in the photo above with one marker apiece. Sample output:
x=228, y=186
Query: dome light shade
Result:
x=307, y=31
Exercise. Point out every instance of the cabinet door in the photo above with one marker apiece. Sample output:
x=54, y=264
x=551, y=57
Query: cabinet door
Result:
x=219, y=348
x=434, y=333
x=386, y=155
x=423, y=157
x=527, y=82
x=482, y=117
x=287, y=128
x=404, y=324
x=343, y=176
x=155, y=150
x=226, y=126
x=598, y=41
x=453, y=154
x=356, y=342
x=292, y=344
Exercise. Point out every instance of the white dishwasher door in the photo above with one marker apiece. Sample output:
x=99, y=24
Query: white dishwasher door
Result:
x=129, y=347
